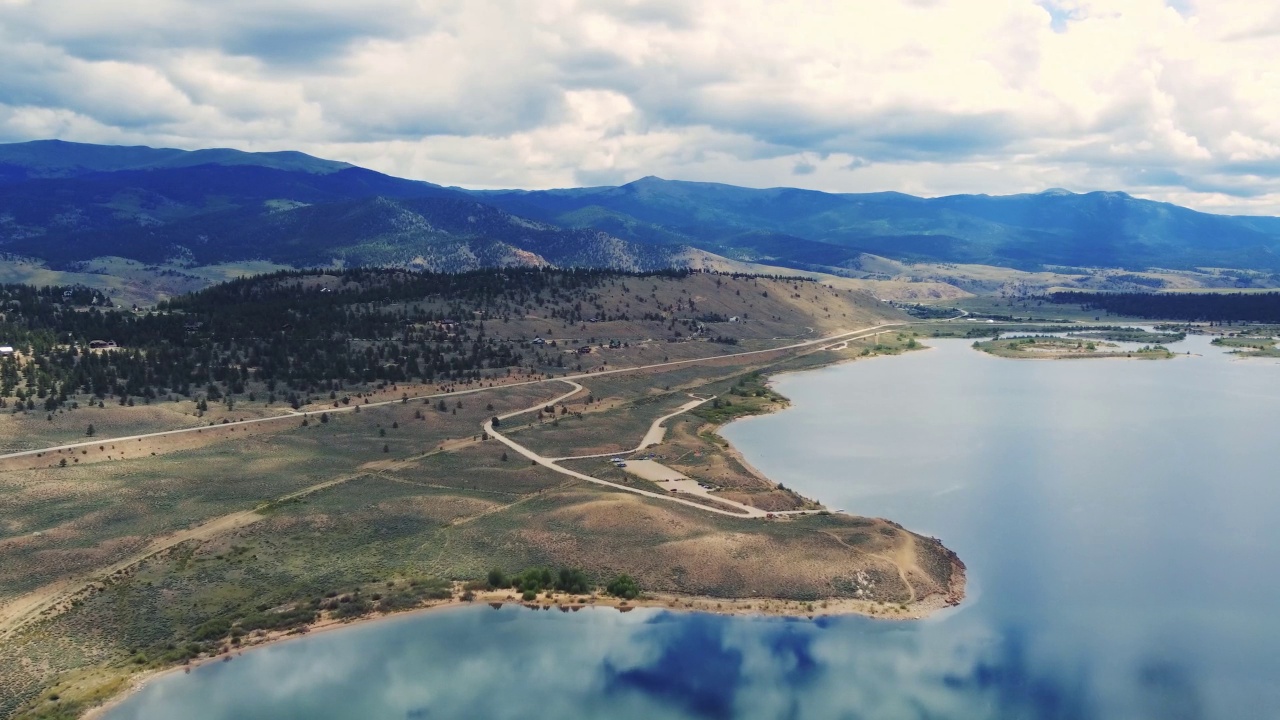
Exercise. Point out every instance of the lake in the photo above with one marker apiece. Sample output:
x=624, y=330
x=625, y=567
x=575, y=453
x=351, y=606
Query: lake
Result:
x=1118, y=519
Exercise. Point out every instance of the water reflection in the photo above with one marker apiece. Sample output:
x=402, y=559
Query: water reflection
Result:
x=1115, y=517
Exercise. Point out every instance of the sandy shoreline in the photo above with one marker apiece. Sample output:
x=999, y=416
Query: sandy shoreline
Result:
x=497, y=599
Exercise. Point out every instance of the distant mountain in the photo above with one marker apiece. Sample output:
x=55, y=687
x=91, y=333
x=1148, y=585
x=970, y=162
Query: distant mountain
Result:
x=67, y=202
x=59, y=159
x=1056, y=227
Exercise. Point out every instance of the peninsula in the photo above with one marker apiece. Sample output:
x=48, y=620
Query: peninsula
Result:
x=365, y=442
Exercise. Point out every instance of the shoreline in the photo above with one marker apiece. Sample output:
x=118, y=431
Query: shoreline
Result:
x=760, y=607
x=757, y=608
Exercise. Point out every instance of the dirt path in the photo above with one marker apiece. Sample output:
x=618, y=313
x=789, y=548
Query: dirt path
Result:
x=903, y=559
x=26, y=608
x=550, y=463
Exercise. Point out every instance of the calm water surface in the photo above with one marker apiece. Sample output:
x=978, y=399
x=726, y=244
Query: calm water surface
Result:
x=1119, y=521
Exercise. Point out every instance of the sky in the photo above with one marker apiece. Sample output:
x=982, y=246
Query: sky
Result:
x=1174, y=100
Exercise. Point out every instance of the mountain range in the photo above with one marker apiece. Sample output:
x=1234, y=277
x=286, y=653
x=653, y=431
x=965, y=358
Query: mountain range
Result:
x=67, y=202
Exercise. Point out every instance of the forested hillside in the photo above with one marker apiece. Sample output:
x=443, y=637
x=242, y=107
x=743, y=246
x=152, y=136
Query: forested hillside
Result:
x=288, y=336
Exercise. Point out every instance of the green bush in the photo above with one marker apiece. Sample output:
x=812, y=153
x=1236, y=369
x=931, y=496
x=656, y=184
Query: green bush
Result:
x=573, y=581
x=212, y=630
x=302, y=614
x=498, y=579
x=533, y=579
x=623, y=586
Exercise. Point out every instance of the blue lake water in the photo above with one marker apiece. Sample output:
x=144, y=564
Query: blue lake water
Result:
x=1118, y=518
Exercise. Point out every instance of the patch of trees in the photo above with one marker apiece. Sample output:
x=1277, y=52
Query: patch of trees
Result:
x=533, y=581
x=1187, y=307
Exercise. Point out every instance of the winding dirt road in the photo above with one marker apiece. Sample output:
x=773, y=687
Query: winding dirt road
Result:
x=550, y=463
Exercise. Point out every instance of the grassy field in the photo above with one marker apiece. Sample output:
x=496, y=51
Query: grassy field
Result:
x=584, y=433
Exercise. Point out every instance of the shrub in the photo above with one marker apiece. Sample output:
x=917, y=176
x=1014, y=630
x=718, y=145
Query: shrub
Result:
x=623, y=586
x=533, y=579
x=573, y=581
x=211, y=630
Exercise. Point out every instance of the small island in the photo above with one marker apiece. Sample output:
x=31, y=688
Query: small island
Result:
x=1059, y=348
x=1249, y=346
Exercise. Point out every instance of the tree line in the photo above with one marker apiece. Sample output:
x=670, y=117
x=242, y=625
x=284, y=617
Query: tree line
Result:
x=1188, y=307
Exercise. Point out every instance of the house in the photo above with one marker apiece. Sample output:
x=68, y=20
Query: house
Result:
x=101, y=344
x=584, y=350
x=539, y=341
x=5, y=350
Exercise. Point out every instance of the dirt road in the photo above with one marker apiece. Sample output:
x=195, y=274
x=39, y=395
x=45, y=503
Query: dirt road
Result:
x=550, y=463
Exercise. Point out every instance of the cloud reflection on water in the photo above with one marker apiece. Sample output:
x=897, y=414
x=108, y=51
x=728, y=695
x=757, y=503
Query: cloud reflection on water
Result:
x=1116, y=575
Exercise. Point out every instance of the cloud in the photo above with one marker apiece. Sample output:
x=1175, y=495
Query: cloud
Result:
x=1172, y=100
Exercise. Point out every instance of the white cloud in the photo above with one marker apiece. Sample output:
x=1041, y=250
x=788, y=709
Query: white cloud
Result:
x=1172, y=101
